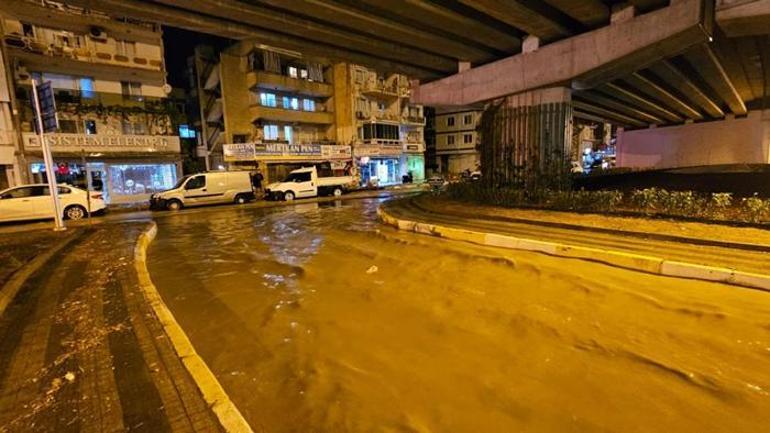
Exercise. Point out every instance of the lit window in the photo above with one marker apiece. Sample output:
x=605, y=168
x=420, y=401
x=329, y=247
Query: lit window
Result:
x=293, y=104
x=89, y=126
x=267, y=99
x=87, y=87
x=186, y=132
x=270, y=132
x=308, y=105
x=293, y=72
x=288, y=134
x=303, y=73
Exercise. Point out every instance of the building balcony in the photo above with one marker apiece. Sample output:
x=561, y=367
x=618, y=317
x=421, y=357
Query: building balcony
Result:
x=380, y=90
x=275, y=114
x=81, y=99
x=282, y=83
x=414, y=120
x=87, y=63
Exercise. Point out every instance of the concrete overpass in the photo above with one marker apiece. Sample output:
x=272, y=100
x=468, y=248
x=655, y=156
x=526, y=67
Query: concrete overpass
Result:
x=635, y=63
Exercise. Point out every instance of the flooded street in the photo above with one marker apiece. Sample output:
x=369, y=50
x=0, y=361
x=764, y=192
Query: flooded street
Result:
x=315, y=318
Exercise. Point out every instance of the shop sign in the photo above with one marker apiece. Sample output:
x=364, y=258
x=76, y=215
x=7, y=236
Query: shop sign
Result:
x=382, y=150
x=105, y=143
x=258, y=150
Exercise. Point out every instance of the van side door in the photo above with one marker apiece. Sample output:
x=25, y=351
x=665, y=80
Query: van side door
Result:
x=196, y=190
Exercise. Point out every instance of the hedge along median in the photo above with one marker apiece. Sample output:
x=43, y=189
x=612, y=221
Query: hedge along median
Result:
x=651, y=202
x=635, y=262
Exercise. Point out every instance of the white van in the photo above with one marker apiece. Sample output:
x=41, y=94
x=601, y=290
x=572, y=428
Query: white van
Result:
x=305, y=182
x=206, y=188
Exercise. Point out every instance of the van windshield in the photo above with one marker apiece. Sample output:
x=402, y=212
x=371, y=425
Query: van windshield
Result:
x=303, y=176
x=181, y=181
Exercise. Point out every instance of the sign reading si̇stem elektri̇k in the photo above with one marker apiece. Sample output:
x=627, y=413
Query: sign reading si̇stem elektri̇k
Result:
x=104, y=143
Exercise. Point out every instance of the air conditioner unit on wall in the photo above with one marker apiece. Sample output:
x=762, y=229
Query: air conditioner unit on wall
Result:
x=97, y=33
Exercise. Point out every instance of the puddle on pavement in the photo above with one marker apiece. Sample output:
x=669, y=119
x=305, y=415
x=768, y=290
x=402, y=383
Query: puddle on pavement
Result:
x=317, y=319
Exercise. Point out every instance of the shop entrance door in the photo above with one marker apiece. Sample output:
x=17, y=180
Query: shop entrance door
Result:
x=97, y=179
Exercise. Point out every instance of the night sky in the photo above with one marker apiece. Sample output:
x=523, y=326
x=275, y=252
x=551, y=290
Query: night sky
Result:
x=180, y=44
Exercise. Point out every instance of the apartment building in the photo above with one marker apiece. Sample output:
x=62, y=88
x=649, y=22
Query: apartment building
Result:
x=385, y=131
x=280, y=110
x=456, y=139
x=10, y=174
x=277, y=111
x=116, y=125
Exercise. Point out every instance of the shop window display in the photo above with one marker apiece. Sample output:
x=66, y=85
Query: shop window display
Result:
x=134, y=179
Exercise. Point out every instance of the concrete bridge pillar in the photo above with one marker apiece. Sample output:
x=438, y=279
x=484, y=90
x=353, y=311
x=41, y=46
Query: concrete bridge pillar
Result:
x=526, y=139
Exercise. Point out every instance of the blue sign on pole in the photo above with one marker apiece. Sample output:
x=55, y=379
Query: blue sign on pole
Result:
x=45, y=96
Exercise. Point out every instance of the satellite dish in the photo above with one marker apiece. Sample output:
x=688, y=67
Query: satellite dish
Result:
x=166, y=88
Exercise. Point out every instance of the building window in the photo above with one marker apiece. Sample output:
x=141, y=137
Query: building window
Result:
x=125, y=48
x=381, y=106
x=186, y=132
x=293, y=72
x=290, y=103
x=87, y=87
x=467, y=138
x=131, y=88
x=267, y=99
x=450, y=121
x=132, y=179
x=450, y=140
x=240, y=138
x=288, y=134
x=308, y=105
x=68, y=126
x=134, y=128
x=380, y=131
x=303, y=73
x=468, y=119
x=89, y=126
x=270, y=132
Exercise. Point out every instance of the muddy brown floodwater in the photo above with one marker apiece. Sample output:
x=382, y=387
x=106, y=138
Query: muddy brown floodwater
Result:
x=317, y=319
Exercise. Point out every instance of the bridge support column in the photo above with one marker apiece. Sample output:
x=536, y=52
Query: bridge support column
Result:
x=526, y=140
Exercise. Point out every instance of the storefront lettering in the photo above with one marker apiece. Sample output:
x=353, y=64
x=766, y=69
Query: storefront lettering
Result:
x=257, y=150
x=118, y=143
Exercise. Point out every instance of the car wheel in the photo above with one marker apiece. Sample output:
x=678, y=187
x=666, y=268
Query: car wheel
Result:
x=75, y=212
x=288, y=196
x=338, y=192
x=240, y=199
x=174, y=205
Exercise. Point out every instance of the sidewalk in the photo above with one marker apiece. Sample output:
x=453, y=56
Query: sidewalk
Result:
x=743, y=249
x=80, y=348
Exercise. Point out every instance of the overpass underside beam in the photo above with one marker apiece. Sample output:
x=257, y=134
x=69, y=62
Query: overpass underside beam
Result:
x=582, y=62
x=526, y=140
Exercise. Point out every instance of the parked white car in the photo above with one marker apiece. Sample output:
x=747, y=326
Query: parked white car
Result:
x=33, y=202
x=206, y=188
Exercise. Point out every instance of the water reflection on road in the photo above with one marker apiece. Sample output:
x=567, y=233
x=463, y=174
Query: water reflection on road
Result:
x=317, y=319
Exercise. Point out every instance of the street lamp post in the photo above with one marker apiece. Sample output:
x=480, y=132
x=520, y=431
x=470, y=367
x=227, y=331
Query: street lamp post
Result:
x=53, y=188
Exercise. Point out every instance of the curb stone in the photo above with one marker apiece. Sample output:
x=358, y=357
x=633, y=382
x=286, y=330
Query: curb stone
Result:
x=636, y=262
x=215, y=396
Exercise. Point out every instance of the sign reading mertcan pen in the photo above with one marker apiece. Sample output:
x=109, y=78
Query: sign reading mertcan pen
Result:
x=105, y=143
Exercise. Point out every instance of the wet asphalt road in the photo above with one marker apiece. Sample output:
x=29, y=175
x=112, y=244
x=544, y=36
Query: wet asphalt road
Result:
x=317, y=319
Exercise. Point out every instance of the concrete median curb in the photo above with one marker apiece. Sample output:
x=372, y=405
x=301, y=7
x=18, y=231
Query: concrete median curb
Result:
x=229, y=416
x=636, y=262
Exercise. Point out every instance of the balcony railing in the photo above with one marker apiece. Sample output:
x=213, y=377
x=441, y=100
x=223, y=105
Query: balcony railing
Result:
x=90, y=98
x=87, y=53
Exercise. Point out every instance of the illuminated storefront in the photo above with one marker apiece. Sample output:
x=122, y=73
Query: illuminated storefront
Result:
x=125, y=168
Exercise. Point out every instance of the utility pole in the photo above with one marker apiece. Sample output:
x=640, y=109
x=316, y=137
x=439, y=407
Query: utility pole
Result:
x=53, y=188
